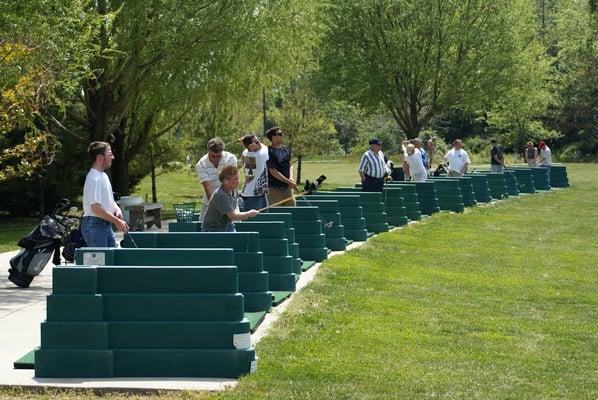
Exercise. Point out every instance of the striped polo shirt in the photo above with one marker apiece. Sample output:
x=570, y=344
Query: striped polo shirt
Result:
x=373, y=164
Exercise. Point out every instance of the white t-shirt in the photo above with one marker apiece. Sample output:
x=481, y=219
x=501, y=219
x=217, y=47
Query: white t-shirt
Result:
x=546, y=155
x=415, y=162
x=207, y=172
x=456, y=159
x=255, y=172
x=97, y=190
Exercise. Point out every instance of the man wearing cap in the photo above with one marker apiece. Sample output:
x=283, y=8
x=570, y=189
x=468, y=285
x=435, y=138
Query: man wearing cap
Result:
x=208, y=168
x=253, y=161
x=280, y=171
x=372, y=168
x=457, y=159
x=545, y=159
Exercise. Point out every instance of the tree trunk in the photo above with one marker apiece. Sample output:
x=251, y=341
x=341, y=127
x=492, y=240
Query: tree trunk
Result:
x=120, y=165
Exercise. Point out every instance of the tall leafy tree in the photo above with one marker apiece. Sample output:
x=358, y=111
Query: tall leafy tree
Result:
x=418, y=58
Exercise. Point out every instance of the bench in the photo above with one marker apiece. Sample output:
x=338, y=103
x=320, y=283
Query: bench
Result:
x=144, y=214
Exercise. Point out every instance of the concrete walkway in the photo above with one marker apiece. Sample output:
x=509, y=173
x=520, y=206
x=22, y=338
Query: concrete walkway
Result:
x=23, y=310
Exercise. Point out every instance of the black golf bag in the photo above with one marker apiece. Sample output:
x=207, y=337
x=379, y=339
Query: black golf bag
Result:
x=41, y=244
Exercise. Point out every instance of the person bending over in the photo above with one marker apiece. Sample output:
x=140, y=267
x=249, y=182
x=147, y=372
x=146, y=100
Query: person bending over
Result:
x=99, y=207
x=221, y=208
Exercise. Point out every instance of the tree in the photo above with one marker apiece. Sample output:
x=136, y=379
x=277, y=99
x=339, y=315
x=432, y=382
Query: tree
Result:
x=418, y=58
x=158, y=60
x=308, y=131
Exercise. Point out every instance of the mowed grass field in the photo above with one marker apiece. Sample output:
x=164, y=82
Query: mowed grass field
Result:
x=500, y=302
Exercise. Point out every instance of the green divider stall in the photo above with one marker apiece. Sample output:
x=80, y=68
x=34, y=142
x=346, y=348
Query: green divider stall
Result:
x=512, y=182
x=497, y=184
x=146, y=321
x=376, y=219
x=427, y=196
x=394, y=205
x=308, y=232
x=332, y=226
x=558, y=176
x=287, y=219
x=525, y=178
x=254, y=282
x=449, y=195
x=479, y=182
x=540, y=178
x=469, y=197
x=349, y=206
x=410, y=200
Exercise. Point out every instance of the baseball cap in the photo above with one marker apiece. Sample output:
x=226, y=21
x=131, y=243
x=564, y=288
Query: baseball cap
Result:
x=375, y=141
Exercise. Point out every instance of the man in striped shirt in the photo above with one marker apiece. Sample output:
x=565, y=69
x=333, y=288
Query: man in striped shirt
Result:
x=372, y=168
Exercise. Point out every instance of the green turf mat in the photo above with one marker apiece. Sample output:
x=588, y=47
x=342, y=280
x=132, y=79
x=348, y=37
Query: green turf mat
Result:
x=279, y=297
x=307, y=265
x=25, y=362
x=255, y=319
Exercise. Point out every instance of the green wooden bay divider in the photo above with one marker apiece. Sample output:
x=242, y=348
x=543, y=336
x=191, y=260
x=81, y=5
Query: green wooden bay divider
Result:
x=539, y=175
x=496, y=183
x=146, y=321
x=410, y=200
x=525, y=178
x=332, y=226
x=349, y=206
x=254, y=282
x=427, y=195
x=558, y=176
x=308, y=232
x=376, y=219
x=467, y=193
x=283, y=269
x=479, y=182
x=449, y=195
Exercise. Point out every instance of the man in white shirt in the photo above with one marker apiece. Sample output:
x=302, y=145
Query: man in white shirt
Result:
x=255, y=171
x=457, y=159
x=208, y=168
x=545, y=159
x=99, y=207
x=412, y=156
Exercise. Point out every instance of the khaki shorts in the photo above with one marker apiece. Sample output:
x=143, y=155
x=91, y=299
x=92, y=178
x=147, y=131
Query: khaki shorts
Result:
x=275, y=195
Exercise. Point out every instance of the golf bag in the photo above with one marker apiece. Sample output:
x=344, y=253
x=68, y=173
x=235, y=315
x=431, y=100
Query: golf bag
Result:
x=41, y=244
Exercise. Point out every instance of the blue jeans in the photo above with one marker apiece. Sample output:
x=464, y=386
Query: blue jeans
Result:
x=496, y=168
x=97, y=232
x=254, y=202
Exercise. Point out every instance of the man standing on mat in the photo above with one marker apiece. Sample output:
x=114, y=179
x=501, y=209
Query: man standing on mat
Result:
x=99, y=207
x=372, y=168
x=497, y=157
x=280, y=170
x=545, y=159
x=254, y=160
x=208, y=168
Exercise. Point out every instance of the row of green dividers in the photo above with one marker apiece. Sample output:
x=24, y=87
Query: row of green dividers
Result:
x=512, y=182
x=394, y=205
x=158, y=320
x=410, y=200
x=289, y=233
x=282, y=266
x=558, y=176
x=277, y=256
x=376, y=219
x=525, y=178
x=496, y=182
x=467, y=193
x=540, y=176
x=349, y=206
x=449, y=195
x=479, y=182
x=332, y=226
x=427, y=196
x=308, y=232
x=254, y=282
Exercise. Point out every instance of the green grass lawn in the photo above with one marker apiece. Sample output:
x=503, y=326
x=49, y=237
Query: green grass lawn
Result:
x=499, y=302
x=14, y=229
